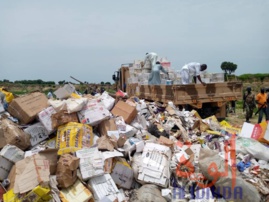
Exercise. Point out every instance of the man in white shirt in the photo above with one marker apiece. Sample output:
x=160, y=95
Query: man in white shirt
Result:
x=192, y=70
x=150, y=60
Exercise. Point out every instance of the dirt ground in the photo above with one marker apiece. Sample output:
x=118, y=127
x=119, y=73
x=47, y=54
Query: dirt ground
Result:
x=238, y=118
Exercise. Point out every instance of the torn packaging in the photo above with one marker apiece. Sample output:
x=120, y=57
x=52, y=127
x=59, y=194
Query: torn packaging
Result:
x=26, y=107
x=30, y=172
x=51, y=156
x=104, y=144
x=66, y=174
x=45, y=118
x=107, y=125
x=13, y=135
x=62, y=117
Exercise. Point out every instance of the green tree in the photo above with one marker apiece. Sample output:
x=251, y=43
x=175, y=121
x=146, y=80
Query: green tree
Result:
x=61, y=82
x=108, y=83
x=102, y=83
x=228, y=67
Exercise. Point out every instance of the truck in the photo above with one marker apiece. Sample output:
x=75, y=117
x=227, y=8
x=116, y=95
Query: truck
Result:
x=211, y=99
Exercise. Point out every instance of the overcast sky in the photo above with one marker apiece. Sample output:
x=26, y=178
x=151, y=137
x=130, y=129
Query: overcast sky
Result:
x=89, y=40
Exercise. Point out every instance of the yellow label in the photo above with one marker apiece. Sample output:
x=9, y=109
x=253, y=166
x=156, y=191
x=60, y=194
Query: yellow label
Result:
x=10, y=196
x=38, y=194
x=225, y=123
x=213, y=132
x=74, y=95
x=73, y=136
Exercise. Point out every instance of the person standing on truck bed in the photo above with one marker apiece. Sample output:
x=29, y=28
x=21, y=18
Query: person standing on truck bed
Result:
x=261, y=100
x=150, y=60
x=155, y=77
x=249, y=103
x=192, y=70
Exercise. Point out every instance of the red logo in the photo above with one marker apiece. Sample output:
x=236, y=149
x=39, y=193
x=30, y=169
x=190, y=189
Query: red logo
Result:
x=186, y=169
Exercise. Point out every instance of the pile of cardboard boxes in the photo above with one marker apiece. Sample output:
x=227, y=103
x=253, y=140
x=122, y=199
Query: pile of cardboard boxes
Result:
x=95, y=148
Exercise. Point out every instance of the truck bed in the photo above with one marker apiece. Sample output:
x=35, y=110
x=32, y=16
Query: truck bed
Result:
x=192, y=94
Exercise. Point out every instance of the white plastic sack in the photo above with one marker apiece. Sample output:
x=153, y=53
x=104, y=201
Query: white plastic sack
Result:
x=252, y=147
x=150, y=192
x=223, y=179
x=107, y=100
x=58, y=105
x=75, y=105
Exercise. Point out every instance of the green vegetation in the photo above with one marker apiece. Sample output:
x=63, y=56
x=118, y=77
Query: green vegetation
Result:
x=228, y=67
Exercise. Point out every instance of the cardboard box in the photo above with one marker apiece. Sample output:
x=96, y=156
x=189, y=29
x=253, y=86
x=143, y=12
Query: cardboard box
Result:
x=66, y=174
x=13, y=135
x=91, y=162
x=253, y=131
x=165, y=141
x=2, y=137
x=51, y=156
x=73, y=136
x=258, y=132
x=155, y=165
x=123, y=174
x=76, y=193
x=104, y=186
x=11, y=177
x=37, y=132
x=93, y=113
x=104, y=143
x=5, y=167
x=62, y=117
x=107, y=125
x=12, y=153
x=45, y=118
x=26, y=107
x=65, y=91
x=31, y=172
x=125, y=110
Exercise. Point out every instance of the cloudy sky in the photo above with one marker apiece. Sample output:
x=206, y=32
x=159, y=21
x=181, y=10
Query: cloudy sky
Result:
x=89, y=40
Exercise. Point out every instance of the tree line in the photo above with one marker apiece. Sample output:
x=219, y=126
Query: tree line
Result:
x=41, y=82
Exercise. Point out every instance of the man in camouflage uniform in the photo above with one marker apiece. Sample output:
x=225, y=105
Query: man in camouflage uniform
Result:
x=249, y=103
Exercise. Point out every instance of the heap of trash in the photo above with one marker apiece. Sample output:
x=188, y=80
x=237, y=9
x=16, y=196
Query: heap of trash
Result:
x=84, y=148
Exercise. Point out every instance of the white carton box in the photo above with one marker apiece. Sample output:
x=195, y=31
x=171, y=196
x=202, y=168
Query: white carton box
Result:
x=45, y=118
x=93, y=113
x=155, y=166
x=37, y=132
x=12, y=153
x=104, y=186
x=65, y=91
x=123, y=175
x=5, y=167
x=91, y=162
